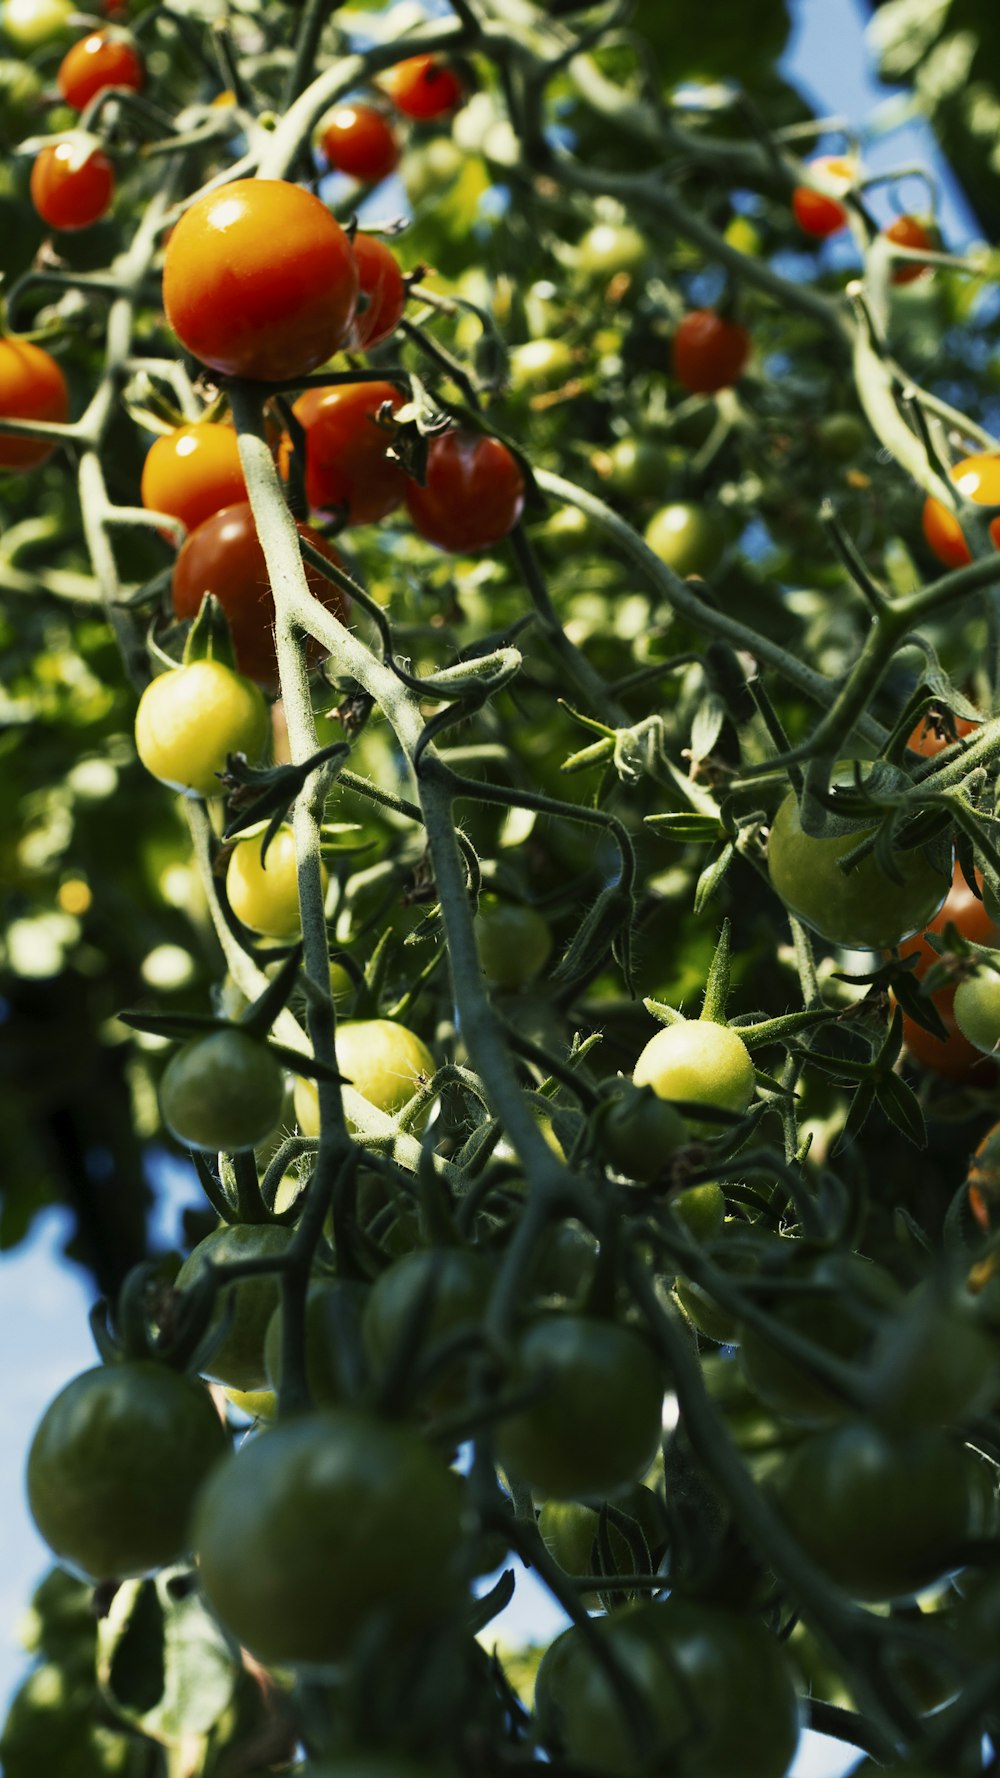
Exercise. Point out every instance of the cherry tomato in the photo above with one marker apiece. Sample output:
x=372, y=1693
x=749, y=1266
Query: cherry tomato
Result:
x=264, y=894
x=934, y=1363
x=842, y=1493
x=451, y=1285
x=350, y=1520
x=688, y=538
x=381, y=1059
x=423, y=87
x=953, y=1057
x=222, y=1092
x=347, y=468
x=931, y=735
x=540, y=364
x=30, y=24
x=961, y=909
x=334, y=1308
x=977, y=1009
x=841, y=436
x=381, y=294
x=978, y=478
x=104, y=59
x=716, y=1688
x=699, y=1060
x=610, y=248
x=115, y=1464
x=865, y=910
x=473, y=495
x=907, y=231
x=638, y=1132
x=190, y=720
x=72, y=184
x=815, y=213
x=243, y=1308
x=224, y=556
x=594, y=1424
x=701, y=1208
x=839, y=1304
x=194, y=471
x=32, y=387
x=360, y=141
x=514, y=941
x=243, y=307
x=709, y=353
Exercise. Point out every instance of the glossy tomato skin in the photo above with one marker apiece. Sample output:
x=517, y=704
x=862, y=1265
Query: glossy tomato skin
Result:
x=360, y=141
x=245, y=1306
x=909, y=231
x=190, y=720
x=70, y=190
x=978, y=478
x=930, y=737
x=961, y=909
x=952, y=1057
x=423, y=87
x=241, y=306
x=381, y=1059
x=347, y=468
x=224, y=556
x=348, y=1518
x=115, y=1464
x=193, y=472
x=699, y=1060
x=976, y=1007
x=866, y=909
x=842, y=1493
x=264, y=893
x=594, y=1425
x=223, y=1092
x=101, y=60
x=815, y=213
x=709, y=353
x=32, y=387
x=717, y=1688
x=383, y=287
x=473, y=495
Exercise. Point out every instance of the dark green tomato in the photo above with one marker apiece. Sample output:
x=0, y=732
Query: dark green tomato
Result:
x=638, y=1132
x=866, y=909
x=333, y=1317
x=569, y=1530
x=513, y=942
x=841, y=437
x=884, y=1515
x=115, y=1464
x=837, y=1302
x=222, y=1092
x=934, y=1364
x=565, y=1262
x=20, y=90
x=740, y=1258
x=635, y=467
x=425, y=1296
x=689, y=539
x=244, y=1307
x=315, y=1529
x=594, y=1425
x=717, y=1690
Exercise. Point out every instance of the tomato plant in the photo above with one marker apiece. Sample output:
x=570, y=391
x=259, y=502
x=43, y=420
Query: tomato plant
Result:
x=244, y=309
x=838, y=1301
x=224, y=556
x=863, y=908
x=348, y=469
x=709, y=353
x=115, y=1464
x=423, y=87
x=263, y=891
x=190, y=721
x=333, y=1310
x=382, y=1060
x=72, y=183
x=473, y=493
x=244, y=1307
x=381, y=294
x=32, y=387
x=978, y=479
x=193, y=471
x=350, y=1516
x=359, y=140
x=224, y=1091
x=100, y=60
x=815, y=212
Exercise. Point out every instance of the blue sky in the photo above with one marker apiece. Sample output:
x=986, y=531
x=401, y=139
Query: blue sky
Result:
x=44, y=1302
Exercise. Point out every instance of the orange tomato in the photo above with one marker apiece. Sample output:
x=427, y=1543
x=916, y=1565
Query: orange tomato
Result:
x=815, y=213
x=978, y=478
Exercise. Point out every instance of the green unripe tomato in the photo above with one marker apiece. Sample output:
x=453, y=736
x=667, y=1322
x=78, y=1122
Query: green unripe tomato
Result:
x=638, y=1132
x=191, y=719
x=702, y=1209
x=222, y=1092
x=333, y=1316
x=20, y=92
x=30, y=24
x=609, y=248
x=265, y=896
x=697, y=1059
x=977, y=1009
x=452, y=1286
x=513, y=941
x=865, y=910
x=246, y=1305
x=383, y=1061
x=841, y=437
x=687, y=538
x=933, y=1364
x=540, y=364
x=635, y=467
x=741, y=234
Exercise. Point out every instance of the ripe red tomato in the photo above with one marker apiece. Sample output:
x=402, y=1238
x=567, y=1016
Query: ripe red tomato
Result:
x=346, y=463
x=929, y=738
x=193, y=471
x=473, y=495
x=382, y=286
x=243, y=306
x=223, y=556
x=32, y=387
x=979, y=480
x=104, y=59
x=709, y=353
x=359, y=140
x=961, y=909
x=953, y=1057
x=423, y=87
x=815, y=213
x=72, y=184
x=906, y=231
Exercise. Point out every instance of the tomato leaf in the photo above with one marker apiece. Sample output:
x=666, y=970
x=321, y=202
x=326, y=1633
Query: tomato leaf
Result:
x=902, y=1108
x=164, y=1664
